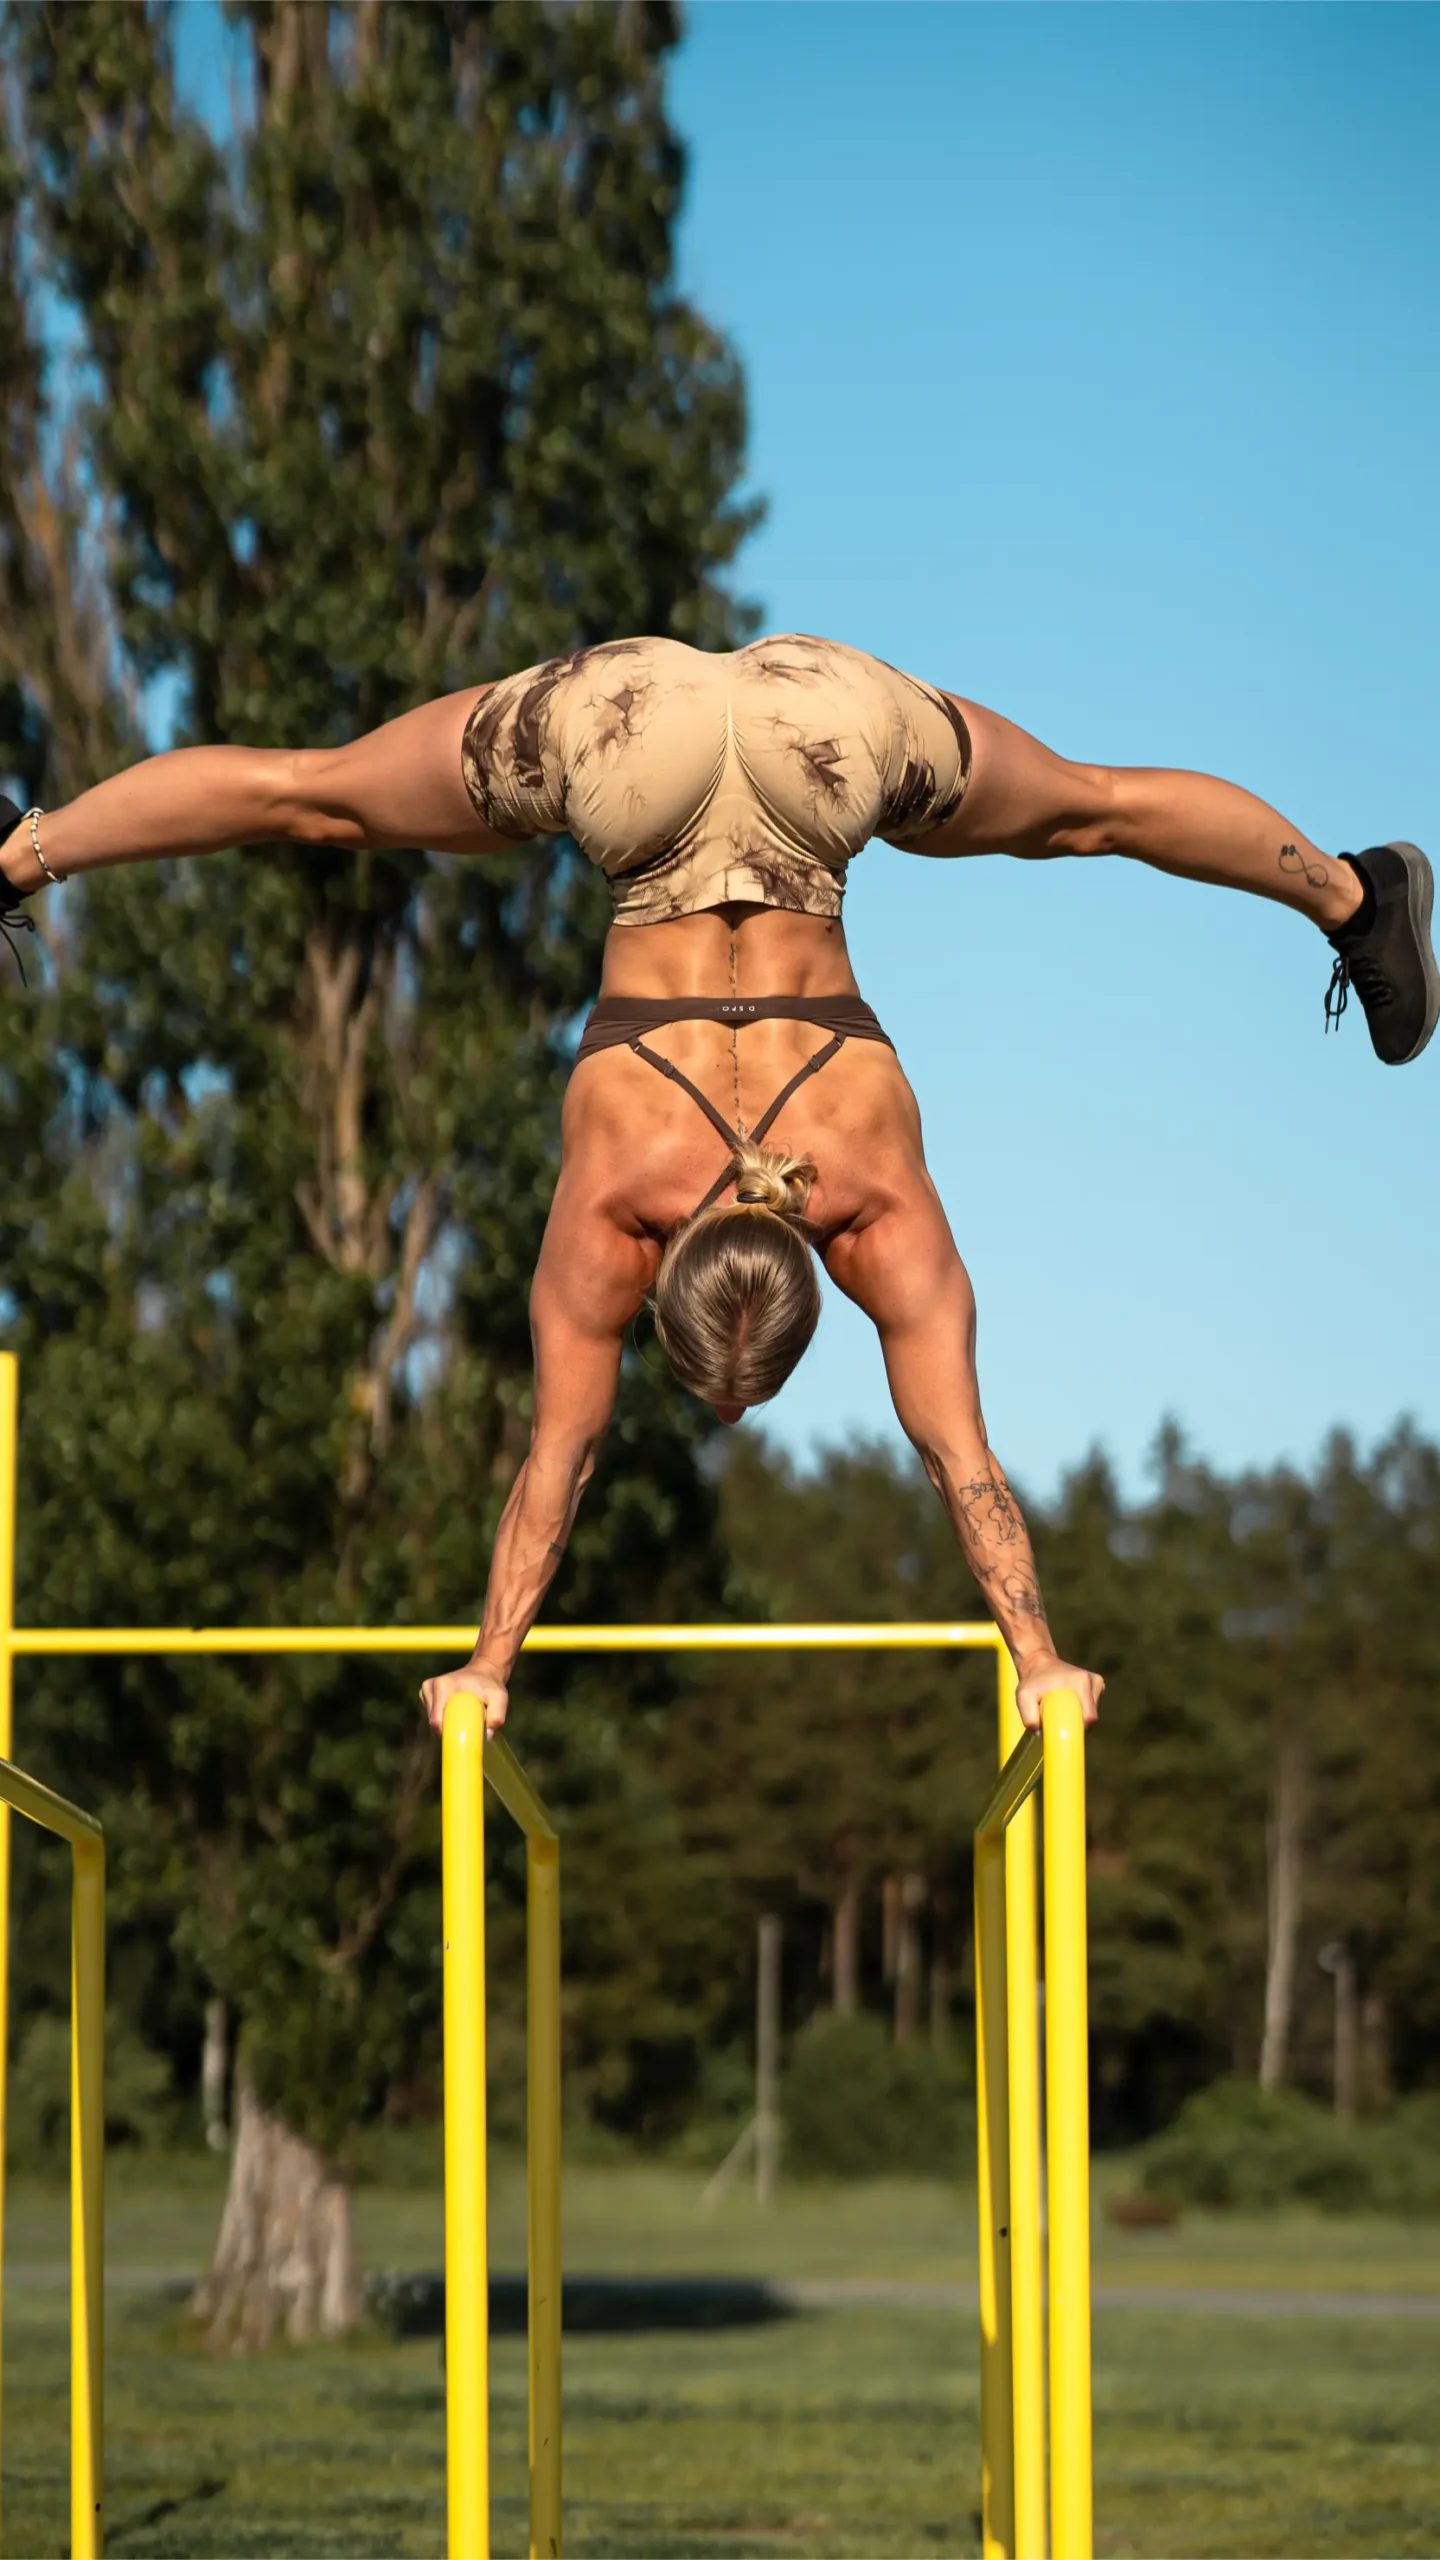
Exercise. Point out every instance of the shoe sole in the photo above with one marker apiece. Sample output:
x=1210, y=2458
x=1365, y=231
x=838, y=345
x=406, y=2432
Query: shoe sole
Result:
x=1420, y=906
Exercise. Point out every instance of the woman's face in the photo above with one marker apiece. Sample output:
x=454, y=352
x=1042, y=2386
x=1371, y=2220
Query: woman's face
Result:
x=731, y=1412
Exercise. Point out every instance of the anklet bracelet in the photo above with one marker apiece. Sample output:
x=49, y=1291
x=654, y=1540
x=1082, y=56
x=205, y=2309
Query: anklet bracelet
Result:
x=32, y=820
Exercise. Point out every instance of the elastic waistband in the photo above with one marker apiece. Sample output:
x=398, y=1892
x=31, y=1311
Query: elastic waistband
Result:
x=616, y=1021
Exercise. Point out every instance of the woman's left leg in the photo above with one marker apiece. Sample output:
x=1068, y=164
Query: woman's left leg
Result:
x=1374, y=907
x=1023, y=799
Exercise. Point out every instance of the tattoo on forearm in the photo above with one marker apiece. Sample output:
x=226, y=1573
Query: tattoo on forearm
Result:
x=1023, y=1597
x=991, y=1528
x=538, y=1543
x=1296, y=865
x=988, y=1508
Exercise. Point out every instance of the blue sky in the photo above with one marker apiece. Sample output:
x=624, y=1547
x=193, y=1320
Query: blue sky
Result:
x=1092, y=356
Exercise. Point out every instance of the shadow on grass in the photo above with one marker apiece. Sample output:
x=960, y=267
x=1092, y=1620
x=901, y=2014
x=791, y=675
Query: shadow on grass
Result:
x=413, y=2306
x=161, y=2510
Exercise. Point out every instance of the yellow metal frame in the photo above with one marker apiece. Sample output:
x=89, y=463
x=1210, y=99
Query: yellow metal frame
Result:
x=468, y=1762
x=87, y=2145
x=1012, y=2331
x=1012, y=2254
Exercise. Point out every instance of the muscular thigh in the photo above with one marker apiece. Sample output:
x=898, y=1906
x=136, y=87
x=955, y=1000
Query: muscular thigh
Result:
x=403, y=784
x=1021, y=797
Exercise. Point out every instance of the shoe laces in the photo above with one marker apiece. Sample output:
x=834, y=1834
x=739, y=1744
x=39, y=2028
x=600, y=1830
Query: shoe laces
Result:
x=1370, y=981
x=10, y=925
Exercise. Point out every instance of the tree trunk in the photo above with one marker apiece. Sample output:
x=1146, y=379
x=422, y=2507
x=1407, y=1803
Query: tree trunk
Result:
x=1374, y=2055
x=214, y=2071
x=940, y=2000
x=767, y=2061
x=1338, y=1960
x=907, y=1957
x=845, y=1956
x=942, y=1953
x=889, y=1929
x=1347, y=2039
x=284, y=2262
x=1284, y=1880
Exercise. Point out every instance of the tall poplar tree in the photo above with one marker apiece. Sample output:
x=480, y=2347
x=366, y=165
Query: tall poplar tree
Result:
x=389, y=390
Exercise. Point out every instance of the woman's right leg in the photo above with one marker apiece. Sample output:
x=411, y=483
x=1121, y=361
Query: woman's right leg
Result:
x=397, y=786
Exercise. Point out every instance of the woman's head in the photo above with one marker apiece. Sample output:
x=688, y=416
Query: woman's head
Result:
x=737, y=1299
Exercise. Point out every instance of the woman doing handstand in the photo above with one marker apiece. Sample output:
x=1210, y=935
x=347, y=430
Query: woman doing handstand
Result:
x=709, y=1142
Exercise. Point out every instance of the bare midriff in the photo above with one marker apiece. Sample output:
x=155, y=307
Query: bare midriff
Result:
x=740, y=950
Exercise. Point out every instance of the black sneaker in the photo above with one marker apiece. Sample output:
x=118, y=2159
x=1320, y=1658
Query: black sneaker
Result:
x=1384, y=952
x=11, y=920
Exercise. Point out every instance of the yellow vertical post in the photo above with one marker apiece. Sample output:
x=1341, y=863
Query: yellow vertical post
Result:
x=87, y=2202
x=543, y=2200
x=997, y=2449
x=1027, y=2314
x=467, y=2305
x=1067, y=2061
x=9, y=1404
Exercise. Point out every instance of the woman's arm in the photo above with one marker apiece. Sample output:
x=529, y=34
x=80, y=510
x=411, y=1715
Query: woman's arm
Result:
x=398, y=785
x=589, y=1285
x=532, y=1537
x=904, y=1271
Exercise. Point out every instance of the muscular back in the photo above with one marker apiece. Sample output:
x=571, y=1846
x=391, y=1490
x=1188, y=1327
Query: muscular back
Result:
x=640, y=1144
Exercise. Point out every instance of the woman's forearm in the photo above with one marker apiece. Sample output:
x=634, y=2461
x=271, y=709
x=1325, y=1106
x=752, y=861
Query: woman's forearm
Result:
x=193, y=800
x=995, y=1542
x=534, y=1528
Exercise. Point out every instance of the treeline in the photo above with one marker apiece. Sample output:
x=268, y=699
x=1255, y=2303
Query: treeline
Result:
x=1263, y=1785
x=1264, y=1793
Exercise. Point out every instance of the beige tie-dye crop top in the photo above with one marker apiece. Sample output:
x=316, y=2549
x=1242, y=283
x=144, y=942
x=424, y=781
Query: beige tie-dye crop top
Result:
x=695, y=779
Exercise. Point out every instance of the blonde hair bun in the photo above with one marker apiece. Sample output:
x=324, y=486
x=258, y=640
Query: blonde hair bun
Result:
x=766, y=1178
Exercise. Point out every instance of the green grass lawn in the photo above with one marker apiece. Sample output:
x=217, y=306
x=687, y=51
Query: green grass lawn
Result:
x=851, y=2431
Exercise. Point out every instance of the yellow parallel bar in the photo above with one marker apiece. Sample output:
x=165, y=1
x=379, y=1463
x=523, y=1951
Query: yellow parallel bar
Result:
x=1019, y=1777
x=9, y=1398
x=87, y=2203
x=1068, y=2110
x=543, y=2183
x=997, y=2471
x=881, y=1635
x=1022, y=1984
x=968, y=1634
x=467, y=2326
x=87, y=2145
x=42, y=1805
x=504, y=1773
